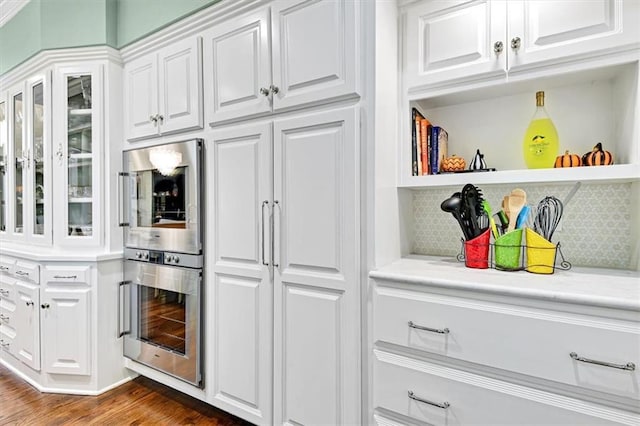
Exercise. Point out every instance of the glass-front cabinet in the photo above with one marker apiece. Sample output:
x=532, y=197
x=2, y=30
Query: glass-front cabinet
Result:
x=76, y=154
x=25, y=169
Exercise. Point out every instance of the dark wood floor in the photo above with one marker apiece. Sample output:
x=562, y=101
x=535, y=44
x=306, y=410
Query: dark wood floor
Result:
x=139, y=402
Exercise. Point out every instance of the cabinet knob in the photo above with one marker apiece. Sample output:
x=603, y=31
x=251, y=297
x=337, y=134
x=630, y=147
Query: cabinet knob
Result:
x=45, y=306
x=498, y=46
x=160, y=118
x=29, y=303
x=515, y=43
x=274, y=89
x=264, y=91
x=153, y=118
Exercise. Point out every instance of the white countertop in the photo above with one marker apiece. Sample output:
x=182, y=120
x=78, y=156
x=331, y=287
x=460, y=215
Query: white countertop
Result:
x=50, y=254
x=610, y=288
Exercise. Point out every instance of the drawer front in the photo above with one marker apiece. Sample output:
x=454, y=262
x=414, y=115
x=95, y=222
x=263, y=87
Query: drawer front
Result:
x=532, y=342
x=446, y=396
x=6, y=265
x=27, y=271
x=66, y=274
x=8, y=339
x=7, y=314
x=6, y=287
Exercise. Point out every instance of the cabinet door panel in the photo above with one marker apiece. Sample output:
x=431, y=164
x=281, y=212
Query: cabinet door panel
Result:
x=242, y=293
x=27, y=324
x=141, y=97
x=552, y=30
x=65, y=331
x=314, y=51
x=315, y=275
x=180, y=88
x=237, y=66
x=449, y=41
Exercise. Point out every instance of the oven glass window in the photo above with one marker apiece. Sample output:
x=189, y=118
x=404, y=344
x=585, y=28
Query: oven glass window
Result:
x=163, y=318
x=161, y=199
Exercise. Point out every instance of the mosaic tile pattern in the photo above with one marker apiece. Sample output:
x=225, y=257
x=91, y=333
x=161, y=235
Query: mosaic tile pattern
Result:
x=593, y=234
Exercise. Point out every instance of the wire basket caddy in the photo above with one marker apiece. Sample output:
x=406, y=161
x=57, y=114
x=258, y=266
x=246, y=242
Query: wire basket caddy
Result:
x=509, y=254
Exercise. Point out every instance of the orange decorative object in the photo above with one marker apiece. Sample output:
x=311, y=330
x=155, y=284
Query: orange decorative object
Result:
x=568, y=160
x=453, y=164
x=597, y=157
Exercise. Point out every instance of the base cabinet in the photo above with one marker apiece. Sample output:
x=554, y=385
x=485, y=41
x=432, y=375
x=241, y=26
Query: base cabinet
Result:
x=66, y=352
x=53, y=332
x=443, y=356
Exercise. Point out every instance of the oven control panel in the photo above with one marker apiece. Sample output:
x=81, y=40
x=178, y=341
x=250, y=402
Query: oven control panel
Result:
x=164, y=258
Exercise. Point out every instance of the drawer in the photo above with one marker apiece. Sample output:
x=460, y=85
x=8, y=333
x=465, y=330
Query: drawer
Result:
x=446, y=396
x=6, y=265
x=528, y=341
x=8, y=339
x=66, y=274
x=7, y=314
x=27, y=271
x=6, y=287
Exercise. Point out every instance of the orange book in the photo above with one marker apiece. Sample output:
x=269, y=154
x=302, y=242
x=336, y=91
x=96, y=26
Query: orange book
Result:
x=424, y=148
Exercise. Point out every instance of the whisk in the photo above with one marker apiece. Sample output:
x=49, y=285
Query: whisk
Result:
x=548, y=214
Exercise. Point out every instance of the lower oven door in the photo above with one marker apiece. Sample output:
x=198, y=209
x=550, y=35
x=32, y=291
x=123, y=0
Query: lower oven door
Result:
x=164, y=310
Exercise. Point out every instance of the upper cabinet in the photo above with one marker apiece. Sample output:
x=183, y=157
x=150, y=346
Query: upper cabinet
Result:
x=163, y=91
x=77, y=166
x=26, y=184
x=453, y=41
x=281, y=56
x=473, y=68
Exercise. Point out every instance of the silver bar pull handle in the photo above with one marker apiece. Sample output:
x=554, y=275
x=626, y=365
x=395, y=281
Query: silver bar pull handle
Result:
x=276, y=263
x=22, y=273
x=444, y=405
x=65, y=277
x=264, y=203
x=120, y=331
x=120, y=196
x=628, y=366
x=433, y=330
x=4, y=268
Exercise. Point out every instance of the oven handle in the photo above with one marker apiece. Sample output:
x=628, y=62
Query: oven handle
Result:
x=120, y=197
x=120, y=331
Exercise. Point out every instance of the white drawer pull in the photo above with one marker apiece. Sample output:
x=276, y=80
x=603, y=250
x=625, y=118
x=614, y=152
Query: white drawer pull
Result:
x=4, y=268
x=433, y=330
x=22, y=273
x=628, y=366
x=4, y=318
x=4, y=292
x=65, y=277
x=444, y=405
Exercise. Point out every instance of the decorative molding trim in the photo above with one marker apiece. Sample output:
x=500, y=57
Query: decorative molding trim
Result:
x=189, y=26
x=9, y=9
x=48, y=58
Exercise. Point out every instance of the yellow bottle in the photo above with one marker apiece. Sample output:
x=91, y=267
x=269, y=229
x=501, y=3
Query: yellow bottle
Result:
x=540, y=144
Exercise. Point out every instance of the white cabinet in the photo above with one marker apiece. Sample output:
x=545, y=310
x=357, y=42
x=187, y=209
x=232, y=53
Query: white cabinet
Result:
x=449, y=41
x=285, y=244
x=27, y=323
x=65, y=330
x=445, y=348
x=285, y=55
x=586, y=63
x=163, y=91
x=26, y=182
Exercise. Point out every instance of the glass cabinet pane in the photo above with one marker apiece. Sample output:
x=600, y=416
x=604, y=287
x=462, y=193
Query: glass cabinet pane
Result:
x=19, y=154
x=80, y=154
x=3, y=166
x=37, y=133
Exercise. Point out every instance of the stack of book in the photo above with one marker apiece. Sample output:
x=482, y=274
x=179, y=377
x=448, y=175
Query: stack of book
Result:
x=428, y=145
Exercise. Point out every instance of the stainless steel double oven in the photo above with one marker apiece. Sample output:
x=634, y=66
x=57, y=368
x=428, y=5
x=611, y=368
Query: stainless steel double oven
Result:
x=161, y=294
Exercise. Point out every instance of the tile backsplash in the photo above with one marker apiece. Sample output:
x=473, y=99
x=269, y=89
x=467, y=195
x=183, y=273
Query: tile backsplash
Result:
x=596, y=224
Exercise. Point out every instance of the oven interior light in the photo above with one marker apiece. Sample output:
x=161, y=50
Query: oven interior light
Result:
x=165, y=160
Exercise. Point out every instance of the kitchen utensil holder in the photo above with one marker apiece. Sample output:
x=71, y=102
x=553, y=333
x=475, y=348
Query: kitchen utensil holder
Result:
x=536, y=255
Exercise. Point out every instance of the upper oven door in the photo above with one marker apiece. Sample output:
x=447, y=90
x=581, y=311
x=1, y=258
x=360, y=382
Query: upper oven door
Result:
x=163, y=200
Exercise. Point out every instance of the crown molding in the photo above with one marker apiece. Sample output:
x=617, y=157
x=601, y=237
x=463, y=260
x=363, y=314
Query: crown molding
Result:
x=9, y=9
x=48, y=58
x=189, y=26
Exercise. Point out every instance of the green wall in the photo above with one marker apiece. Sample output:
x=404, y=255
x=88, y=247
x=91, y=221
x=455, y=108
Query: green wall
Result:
x=54, y=24
x=138, y=18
